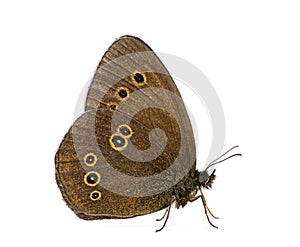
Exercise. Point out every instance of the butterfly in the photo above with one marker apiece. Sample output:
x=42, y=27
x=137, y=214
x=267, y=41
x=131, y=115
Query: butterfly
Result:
x=132, y=152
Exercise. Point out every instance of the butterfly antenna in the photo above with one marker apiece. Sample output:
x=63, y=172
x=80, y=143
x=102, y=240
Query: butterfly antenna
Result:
x=217, y=161
x=225, y=159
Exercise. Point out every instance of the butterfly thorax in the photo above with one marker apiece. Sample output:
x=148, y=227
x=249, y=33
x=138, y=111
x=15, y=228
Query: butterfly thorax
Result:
x=186, y=190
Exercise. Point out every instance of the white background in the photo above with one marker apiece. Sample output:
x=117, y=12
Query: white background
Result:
x=250, y=52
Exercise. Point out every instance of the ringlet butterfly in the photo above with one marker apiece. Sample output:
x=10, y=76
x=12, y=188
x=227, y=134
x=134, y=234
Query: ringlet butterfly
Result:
x=132, y=152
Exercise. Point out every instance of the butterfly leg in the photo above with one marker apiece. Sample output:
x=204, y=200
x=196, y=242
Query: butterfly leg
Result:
x=195, y=198
x=167, y=217
x=163, y=215
x=215, y=217
x=206, y=209
x=205, y=203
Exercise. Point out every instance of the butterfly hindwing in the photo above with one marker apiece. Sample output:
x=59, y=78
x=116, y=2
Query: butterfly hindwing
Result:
x=72, y=166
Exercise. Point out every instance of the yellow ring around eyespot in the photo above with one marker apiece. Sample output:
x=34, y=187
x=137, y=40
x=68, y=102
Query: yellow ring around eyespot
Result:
x=87, y=174
x=138, y=83
x=128, y=127
x=122, y=88
x=95, y=191
x=90, y=154
x=112, y=106
x=113, y=145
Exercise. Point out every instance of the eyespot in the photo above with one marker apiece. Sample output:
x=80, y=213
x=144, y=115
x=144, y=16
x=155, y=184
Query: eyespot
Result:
x=112, y=106
x=95, y=195
x=92, y=178
x=125, y=130
x=122, y=93
x=138, y=78
x=118, y=142
x=90, y=159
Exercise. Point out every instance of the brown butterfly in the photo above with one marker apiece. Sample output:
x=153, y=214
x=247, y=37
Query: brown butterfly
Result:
x=132, y=152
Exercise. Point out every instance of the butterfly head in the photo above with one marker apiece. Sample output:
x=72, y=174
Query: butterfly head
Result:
x=205, y=180
x=206, y=177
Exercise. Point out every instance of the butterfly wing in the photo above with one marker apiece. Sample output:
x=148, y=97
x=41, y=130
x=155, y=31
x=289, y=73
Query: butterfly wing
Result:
x=73, y=165
x=125, y=57
x=133, y=144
